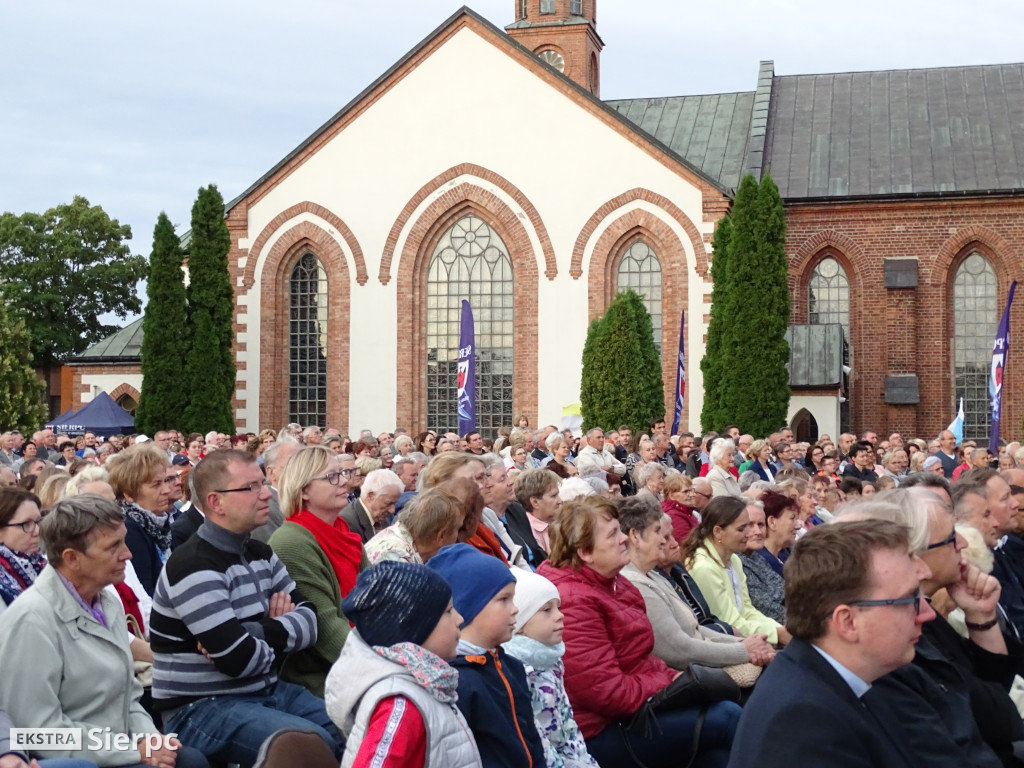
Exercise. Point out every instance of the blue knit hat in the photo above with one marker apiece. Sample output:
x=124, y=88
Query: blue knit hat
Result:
x=474, y=577
x=395, y=602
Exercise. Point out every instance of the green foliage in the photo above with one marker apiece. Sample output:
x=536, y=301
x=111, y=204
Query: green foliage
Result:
x=209, y=374
x=163, y=397
x=711, y=365
x=61, y=270
x=755, y=388
x=621, y=369
x=21, y=391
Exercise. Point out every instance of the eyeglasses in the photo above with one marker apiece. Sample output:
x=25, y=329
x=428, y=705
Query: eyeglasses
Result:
x=332, y=477
x=254, y=487
x=28, y=526
x=914, y=600
x=938, y=545
x=705, y=495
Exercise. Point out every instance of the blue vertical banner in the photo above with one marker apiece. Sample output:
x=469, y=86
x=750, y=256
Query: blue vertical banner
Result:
x=680, y=377
x=467, y=371
x=1000, y=350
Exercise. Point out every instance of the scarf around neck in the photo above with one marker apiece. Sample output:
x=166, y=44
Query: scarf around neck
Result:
x=161, y=536
x=344, y=549
x=428, y=669
x=18, y=571
x=533, y=652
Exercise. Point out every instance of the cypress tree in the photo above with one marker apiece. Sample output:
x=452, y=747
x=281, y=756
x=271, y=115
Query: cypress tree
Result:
x=21, y=391
x=209, y=375
x=711, y=415
x=754, y=349
x=163, y=396
x=621, y=369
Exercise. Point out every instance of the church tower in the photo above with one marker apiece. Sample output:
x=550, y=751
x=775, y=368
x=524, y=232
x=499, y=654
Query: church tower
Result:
x=564, y=34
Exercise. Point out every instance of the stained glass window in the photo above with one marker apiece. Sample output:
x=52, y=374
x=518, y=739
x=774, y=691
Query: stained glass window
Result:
x=974, y=328
x=640, y=271
x=470, y=262
x=307, y=343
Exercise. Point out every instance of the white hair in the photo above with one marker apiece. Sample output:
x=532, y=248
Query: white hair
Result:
x=597, y=482
x=403, y=440
x=574, y=487
x=644, y=472
x=380, y=480
x=722, y=447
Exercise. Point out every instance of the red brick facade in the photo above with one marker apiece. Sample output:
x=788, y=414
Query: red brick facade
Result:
x=910, y=330
x=578, y=45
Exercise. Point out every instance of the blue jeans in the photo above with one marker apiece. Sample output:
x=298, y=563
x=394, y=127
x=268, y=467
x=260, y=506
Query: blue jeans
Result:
x=671, y=739
x=231, y=728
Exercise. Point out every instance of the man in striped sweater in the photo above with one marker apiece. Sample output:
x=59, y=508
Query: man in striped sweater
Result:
x=225, y=612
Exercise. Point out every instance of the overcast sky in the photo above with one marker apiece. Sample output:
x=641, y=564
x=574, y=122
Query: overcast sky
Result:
x=135, y=105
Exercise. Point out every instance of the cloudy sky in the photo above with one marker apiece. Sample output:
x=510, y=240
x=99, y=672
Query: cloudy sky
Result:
x=135, y=105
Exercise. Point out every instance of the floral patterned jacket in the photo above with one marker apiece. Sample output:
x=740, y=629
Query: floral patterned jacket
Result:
x=564, y=746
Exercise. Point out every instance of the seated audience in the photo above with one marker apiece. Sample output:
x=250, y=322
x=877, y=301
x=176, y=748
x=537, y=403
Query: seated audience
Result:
x=368, y=515
x=761, y=565
x=216, y=659
x=21, y=561
x=431, y=520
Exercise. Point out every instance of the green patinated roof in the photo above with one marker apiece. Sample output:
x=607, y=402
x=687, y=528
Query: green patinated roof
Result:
x=709, y=131
x=125, y=346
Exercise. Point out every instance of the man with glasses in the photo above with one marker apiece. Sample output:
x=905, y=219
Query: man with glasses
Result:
x=854, y=609
x=701, y=493
x=225, y=612
x=274, y=459
x=971, y=677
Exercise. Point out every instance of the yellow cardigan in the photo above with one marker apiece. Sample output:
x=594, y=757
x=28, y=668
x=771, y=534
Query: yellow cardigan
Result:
x=715, y=584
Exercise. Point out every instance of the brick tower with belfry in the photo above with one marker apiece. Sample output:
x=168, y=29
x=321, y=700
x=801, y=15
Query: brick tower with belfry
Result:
x=564, y=34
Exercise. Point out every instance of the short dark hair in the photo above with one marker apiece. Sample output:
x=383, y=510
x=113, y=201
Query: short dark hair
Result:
x=830, y=566
x=211, y=473
x=656, y=422
x=469, y=435
x=851, y=484
x=860, y=447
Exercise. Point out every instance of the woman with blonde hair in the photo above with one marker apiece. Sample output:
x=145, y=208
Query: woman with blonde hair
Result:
x=429, y=521
x=321, y=554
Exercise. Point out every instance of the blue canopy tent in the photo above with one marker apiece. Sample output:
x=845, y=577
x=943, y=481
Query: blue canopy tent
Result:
x=101, y=416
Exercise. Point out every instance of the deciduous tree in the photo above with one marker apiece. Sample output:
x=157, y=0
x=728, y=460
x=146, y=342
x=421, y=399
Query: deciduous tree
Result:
x=21, y=391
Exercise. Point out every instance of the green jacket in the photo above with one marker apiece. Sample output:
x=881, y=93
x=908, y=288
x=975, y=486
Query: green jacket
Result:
x=309, y=567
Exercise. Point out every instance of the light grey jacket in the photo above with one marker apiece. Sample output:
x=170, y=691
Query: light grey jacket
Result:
x=361, y=678
x=63, y=669
x=679, y=640
x=722, y=482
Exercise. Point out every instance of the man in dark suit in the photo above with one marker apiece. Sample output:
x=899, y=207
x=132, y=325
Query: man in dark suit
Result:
x=854, y=608
x=189, y=519
x=368, y=515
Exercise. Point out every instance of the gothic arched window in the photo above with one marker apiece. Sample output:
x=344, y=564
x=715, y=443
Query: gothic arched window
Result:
x=828, y=301
x=470, y=262
x=974, y=328
x=307, y=342
x=640, y=270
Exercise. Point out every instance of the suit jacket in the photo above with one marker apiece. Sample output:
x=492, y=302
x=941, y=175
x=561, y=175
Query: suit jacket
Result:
x=275, y=521
x=358, y=520
x=188, y=522
x=762, y=472
x=802, y=713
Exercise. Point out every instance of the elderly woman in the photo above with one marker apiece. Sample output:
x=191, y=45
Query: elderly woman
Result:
x=678, y=504
x=760, y=456
x=537, y=491
x=650, y=480
x=679, y=640
x=722, y=474
x=138, y=476
x=404, y=445
x=712, y=555
x=559, y=449
x=610, y=670
x=806, y=497
x=761, y=563
x=645, y=454
x=431, y=520
x=20, y=559
x=368, y=514
x=321, y=554
x=73, y=630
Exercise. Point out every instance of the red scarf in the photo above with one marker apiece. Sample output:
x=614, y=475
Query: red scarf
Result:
x=343, y=548
x=487, y=542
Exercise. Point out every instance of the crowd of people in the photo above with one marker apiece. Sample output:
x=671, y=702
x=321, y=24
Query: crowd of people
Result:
x=621, y=598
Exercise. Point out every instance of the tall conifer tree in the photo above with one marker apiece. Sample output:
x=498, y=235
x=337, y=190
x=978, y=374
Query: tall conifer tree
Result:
x=621, y=368
x=711, y=415
x=163, y=396
x=21, y=391
x=209, y=375
x=754, y=350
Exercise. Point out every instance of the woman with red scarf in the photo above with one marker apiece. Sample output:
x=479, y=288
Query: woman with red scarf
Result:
x=321, y=554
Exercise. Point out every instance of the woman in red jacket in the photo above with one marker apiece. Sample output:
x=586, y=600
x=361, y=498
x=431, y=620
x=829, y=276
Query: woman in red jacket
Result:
x=610, y=671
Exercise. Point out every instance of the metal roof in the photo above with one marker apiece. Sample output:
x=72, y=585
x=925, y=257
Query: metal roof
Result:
x=124, y=346
x=954, y=130
x=710, y=132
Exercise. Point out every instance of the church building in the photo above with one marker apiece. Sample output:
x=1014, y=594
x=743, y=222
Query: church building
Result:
x=538, y=201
